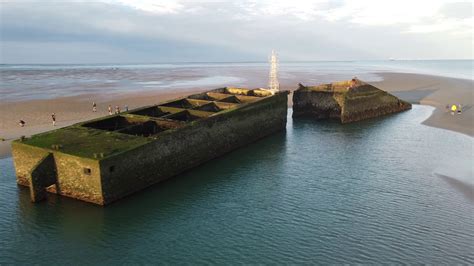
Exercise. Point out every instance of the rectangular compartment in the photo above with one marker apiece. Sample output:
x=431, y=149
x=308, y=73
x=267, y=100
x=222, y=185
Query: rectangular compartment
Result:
x=216, y=106
x=183, y=103
x=209, y=96
x=114, y=123
x=185, y=116
x=153, y=111
x=186, y=103
x=210, y=107
x=146, y=129
x=231, y=99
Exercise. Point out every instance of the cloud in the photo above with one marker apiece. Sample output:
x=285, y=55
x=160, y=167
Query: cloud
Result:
x=175, y=30
x=153, y=6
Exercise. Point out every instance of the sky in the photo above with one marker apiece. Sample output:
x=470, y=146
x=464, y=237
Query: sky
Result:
x=147, y=31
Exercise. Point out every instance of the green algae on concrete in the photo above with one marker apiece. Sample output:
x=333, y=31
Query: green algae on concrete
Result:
x=85, y=142
x=340, y=100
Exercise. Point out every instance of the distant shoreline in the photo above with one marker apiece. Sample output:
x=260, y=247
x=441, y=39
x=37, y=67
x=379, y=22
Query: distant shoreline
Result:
x=435, y=91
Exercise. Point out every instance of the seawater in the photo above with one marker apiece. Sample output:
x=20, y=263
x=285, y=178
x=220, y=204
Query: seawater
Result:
x=26, y=82
x=377, y=191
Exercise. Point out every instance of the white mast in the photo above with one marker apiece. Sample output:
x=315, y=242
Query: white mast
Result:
x=273, y=83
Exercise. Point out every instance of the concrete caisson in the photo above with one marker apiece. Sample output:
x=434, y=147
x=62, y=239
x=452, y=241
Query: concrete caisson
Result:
x=103, y=160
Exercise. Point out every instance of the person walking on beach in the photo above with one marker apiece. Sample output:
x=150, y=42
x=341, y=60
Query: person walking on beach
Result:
x=94, y=107
x=126, y=108
x=22, y=123
x=53, y=117
x=110, y=109
x=117, y=109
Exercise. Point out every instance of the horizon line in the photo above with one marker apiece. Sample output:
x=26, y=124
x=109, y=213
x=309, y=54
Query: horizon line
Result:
x=221, y=62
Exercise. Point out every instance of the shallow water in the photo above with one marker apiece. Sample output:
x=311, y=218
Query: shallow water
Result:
x=26, y=82
x=369, y=192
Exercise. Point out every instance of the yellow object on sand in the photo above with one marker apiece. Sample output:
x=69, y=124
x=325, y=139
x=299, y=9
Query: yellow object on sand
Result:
x=454, y=108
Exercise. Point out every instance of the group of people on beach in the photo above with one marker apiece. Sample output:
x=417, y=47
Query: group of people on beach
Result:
x=117, y=109
x=22, y=122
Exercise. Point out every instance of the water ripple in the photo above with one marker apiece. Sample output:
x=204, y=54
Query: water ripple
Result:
x=319, y=193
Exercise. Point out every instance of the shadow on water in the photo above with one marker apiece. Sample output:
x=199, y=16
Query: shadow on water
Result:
x=360, y=130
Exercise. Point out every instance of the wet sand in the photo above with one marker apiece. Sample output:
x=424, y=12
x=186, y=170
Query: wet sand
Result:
x=437, y=92
x=423, y=89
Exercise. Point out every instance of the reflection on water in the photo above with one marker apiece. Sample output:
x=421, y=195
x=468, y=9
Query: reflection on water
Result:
x=320, y=192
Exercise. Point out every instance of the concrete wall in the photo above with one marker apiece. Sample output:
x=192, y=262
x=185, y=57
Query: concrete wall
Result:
x=70, y=180
x=178, y=150
x=25, y=159
x=358, y=104
x=320, y=105
x=368, y=106
x=74, y=182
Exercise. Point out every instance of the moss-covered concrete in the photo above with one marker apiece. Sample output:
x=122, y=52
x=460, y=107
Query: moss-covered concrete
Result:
x=103, y=160
x=344, y=102
x=67, y=171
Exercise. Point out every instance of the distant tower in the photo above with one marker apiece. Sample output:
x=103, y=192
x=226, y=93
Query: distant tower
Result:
x=273, y=83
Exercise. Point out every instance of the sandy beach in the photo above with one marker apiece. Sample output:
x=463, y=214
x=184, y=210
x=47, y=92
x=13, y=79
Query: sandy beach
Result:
x=435, y=91
x=438, y=92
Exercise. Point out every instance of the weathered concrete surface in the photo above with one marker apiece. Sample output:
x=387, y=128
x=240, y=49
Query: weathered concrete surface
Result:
x=347, y=104
x=56, y=172
x=106, y=159
x=177, y=151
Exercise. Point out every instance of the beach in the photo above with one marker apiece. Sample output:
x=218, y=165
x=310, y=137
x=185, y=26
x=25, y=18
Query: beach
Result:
x=436, y=91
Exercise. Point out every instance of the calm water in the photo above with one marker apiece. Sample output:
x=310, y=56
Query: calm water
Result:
x=370, y=192
x=25, y=82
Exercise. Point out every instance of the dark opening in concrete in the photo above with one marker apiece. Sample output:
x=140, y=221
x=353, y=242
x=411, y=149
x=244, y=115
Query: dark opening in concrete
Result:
x=230, y=99
x=113, y=123
x=210, y=107
x=183, y=116
x=154, y=111
x=145, y=129
x=183, y=103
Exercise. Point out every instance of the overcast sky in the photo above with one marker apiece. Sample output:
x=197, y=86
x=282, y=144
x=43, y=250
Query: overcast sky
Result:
x=146, y=31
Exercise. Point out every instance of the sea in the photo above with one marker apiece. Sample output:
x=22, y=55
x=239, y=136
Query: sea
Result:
x=382, y=191
x=28, y=82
